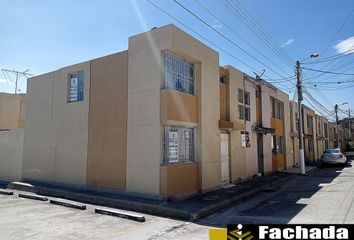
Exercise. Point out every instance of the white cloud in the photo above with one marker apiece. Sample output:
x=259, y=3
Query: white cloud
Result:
x=290, y=41
x=217, y=24
x=346, y=46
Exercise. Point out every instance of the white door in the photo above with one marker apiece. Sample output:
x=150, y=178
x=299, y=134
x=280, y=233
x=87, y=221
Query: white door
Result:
x=225, y=173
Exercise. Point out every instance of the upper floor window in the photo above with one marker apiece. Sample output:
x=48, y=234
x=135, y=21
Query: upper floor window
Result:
x=179, y=74
x=309, y=121
x=244, y=103
x=277, y=108
x=76, y=87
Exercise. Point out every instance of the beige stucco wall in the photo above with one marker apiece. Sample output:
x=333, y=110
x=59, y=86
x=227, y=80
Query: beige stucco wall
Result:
x=144, y=154
x=11, y=151
x=12, y=110
x=56, y=133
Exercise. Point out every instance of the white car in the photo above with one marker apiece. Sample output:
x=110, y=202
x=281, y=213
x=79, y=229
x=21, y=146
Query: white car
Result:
x=333, y=156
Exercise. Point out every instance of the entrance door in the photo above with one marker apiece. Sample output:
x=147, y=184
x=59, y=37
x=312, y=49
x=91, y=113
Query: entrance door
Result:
x=225, y=172
x=260, y=154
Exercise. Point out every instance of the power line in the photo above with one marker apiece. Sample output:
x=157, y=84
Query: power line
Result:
x=335, y=35
x=317, y=70
x=225, y=37
x=234, y=32
x=251, y=24
x=263, y=31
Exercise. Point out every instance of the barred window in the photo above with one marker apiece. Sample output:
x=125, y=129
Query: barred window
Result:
x=178, y=145
x=179, y=74
x=76, y=87
x=278, y=145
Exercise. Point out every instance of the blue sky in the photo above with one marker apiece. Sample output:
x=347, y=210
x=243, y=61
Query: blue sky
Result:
x=45, y=35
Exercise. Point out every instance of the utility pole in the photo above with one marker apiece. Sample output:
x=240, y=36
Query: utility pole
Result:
x=336, y=107
x=337, y=130
x=18, y=74
x=349, y=125
x=300, y=131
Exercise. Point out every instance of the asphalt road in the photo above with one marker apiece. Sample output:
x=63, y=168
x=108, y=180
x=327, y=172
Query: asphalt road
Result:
x=325, y=196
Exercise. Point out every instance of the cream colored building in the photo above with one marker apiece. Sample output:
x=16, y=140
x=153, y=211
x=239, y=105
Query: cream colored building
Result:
x=12, y=121
x=161, y=118
x=143, y=120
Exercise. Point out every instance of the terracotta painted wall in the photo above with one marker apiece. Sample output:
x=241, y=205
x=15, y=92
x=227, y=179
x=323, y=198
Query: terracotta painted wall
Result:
x=179, y=179
x=178, y=106
x=107, y=140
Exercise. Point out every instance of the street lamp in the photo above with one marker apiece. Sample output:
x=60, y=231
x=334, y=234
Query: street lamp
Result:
x=299, y=103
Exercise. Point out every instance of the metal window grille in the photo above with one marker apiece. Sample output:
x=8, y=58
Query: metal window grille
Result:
x=76, y=87
x=178, y=145
x=179, y=74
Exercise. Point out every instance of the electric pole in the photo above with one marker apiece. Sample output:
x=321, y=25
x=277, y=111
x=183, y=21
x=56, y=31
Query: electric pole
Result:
x=336, y=107
x=300, y=131
x=18, y=74
x=337, y=132
x=349, y=125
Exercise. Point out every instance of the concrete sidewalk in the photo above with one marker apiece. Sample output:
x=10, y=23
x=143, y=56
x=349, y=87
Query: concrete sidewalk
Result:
x=192, y=208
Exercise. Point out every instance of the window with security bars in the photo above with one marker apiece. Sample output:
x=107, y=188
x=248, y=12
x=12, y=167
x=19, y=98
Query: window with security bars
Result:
x=178, y=145
x=278, y=145
x=76, y=87
x=179, y=74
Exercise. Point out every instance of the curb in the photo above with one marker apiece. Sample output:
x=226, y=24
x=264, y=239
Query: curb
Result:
x=205, y=212
x=117, y=203
x=157, y=210
x=22, y=187
x=33, y=197
x=119, y=214
x=6, y=192
x=68, y=204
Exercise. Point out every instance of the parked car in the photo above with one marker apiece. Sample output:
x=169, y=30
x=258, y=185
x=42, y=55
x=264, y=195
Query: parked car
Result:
x=333, y=156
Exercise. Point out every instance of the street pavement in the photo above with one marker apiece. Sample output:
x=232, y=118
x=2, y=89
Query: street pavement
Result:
x=326, y=196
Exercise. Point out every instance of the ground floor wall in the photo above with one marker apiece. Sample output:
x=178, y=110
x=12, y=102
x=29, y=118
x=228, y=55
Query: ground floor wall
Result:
x=11, y=153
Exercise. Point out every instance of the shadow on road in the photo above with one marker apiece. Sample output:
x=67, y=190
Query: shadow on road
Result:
x=280, y=206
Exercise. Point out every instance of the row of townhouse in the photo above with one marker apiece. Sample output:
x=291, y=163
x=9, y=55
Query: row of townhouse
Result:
x=318, y=132
x=161, y=118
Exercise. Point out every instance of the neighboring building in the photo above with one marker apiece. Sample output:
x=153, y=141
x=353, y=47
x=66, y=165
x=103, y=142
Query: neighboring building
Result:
x=12, y=122
x=321, y=134
x=237, y=116
x=309, y=127
x=258, y=141
x=332, y=135
x=278, y=118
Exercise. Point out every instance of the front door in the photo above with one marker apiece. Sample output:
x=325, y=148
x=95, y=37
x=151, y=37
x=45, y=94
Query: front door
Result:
x=225, y=172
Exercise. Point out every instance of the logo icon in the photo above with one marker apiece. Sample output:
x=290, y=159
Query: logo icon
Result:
x=239, y=234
